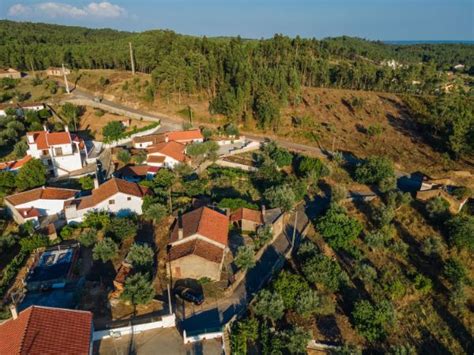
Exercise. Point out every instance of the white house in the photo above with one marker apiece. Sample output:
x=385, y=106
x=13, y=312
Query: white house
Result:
x=166, y=155
x=184, y=137
x=37, y=203
x=114, y=196
x=61, y=152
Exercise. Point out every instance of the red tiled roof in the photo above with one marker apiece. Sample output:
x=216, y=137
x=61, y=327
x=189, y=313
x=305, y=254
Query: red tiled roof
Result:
x=19, y=163
x=15, y=164
x=171, y=149
x=41, y=193
x=197, y=247
x=44, y=139
x=107, y=190
x=29, y=212
x=44, y=330
x=155, y=159
x=184, y=136
x=153, y=169
x=133, y=170
x=206, y=222
x=247, y=214
x=153, y=138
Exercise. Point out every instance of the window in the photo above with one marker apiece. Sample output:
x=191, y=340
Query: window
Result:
x=58, y=151
x=111, y=202
x=129, y=198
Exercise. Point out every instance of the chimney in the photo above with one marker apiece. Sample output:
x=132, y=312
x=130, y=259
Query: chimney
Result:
x=96, y=183
x=45, y=128
x=66, y=128
x=263, y=211
x=14, y=311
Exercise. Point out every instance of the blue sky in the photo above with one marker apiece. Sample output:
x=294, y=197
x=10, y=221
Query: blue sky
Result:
x=373, y=19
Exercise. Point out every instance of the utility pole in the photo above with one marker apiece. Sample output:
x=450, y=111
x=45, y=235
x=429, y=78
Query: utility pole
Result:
x=169, y=299
x=65, y=80
x=295, y=226
x=131, y=58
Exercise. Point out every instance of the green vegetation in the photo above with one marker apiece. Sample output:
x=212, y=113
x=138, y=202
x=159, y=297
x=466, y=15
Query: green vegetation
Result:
x=245, y=258
x=32, y=174
x=105, y=250
x=138, y=289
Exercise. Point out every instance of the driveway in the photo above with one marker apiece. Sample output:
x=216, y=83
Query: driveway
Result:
x=157, y=341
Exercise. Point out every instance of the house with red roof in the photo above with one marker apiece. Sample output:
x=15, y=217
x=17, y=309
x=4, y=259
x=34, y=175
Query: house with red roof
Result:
x=184, y=137
x=249, y=220
x=115, y=196
x=61, y=152
x=198, y=244
x=168, y=154
x=38, y=203
x=45, y=330
x=14, y=165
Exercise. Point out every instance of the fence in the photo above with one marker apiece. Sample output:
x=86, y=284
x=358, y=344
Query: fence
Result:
x=168, y=321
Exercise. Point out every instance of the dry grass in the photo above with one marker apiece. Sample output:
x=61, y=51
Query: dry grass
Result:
x=324, y=117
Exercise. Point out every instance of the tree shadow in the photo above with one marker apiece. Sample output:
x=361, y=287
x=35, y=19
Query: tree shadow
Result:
x=328, y=327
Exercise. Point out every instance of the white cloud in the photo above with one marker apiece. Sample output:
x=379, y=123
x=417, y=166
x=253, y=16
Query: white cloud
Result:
x=19, y=10
x=103, y=9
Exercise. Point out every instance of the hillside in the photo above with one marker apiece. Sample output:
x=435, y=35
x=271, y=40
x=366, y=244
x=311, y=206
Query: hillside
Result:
x=362, y=122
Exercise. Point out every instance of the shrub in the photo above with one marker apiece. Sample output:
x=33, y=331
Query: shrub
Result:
x=87, y=182
x=281, y=196
x=461, y=232
x=306, y=164
x=432, y=246
x=236, y=203
x=124, y=156
x=338, y=228
x=97, y=220
x=138, y=289
x=372, y=320
x=374, y=170
x=122, y=228
x=289, y=286
x=113, y=131
x=423, y=284
x=88, y=238
x=263, y=235
x=141, y=256
x=322, y=269
x=156, y=212
x=437, y=208
x=105, y=250
x=32, y=174
x=269, y=305
x=245, y=258
x=455, y=272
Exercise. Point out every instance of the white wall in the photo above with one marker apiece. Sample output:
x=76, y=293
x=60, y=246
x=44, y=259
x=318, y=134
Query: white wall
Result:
x=49, y=207
x=168, y=321
x=121, y=202
x=169, y=162
x=204, y=336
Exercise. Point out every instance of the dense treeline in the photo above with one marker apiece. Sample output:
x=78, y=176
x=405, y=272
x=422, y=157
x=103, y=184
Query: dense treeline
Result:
x=242, y=78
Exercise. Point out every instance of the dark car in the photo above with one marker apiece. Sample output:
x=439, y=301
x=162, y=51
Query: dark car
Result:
x=187, y=294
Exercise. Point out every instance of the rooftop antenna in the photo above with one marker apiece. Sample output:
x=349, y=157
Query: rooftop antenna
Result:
x=65, y=80
x=131, y=57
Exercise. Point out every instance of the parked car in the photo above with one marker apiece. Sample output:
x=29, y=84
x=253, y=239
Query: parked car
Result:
x=187, y=294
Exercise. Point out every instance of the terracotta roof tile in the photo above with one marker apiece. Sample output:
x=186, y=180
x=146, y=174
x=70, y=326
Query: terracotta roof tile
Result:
x=107, y=190
x=44, y=139
x=184, y=136
x=206, y=222
x=44, y=330
x=153, y=138
x=133, y=170
x=173, y=150
x=197, y=247
x=247, y=214
x=155, y=159
x=19, y=163
x=41, y=193
x=29, y=212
